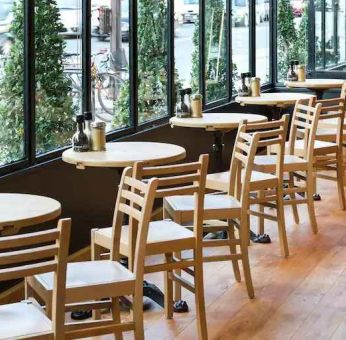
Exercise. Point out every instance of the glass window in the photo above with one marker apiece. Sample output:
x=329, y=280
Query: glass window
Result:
x=292, y=34
x=110, y=62
x=330, y=47
x=319, y=62
x=262, y=40
x=58, y=29
x=215, y=50
x=152, y=59
x=11, y=81
x=240, y=40
x=341, y=6
x=186, y=46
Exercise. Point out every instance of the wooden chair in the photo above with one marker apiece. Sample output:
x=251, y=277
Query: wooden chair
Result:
x=299, y=160
x=254, y=187
x=29, y=254
x=91, y=281
x=166, y=237
x=331, y=139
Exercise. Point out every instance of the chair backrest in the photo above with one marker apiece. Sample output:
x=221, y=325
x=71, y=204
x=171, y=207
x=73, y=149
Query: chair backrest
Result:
x=334, y=108
x=303, y=128
x=39, y=252
x=180, y=179
x=135, y=201
x=251, y=139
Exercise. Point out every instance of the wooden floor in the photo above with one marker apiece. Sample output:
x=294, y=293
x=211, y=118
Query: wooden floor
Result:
x=301, y=297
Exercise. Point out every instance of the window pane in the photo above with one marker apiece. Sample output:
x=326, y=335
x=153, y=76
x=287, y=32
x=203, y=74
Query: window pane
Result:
x=240, y=39
x=292, y=34
x=186, y=44
x=262, y=40
x=11, y=81
x=152, y=59
x=329, y=34
x=341, y=6
x=215, y=50
x=319, y=34
x=110, y=62
x=58, y=28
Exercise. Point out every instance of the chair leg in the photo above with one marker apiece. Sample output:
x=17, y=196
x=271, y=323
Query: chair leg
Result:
x=281, y=223
x=233, y=251
x=292, y=197
x=310, y=184
x=199, y=296
x=137, y=310
x=116, y=316
x=96, y=251
x=340, y=181
x=29, y=292
x=244, y=242
x=261, y=210
x=168, y=289
x=177, y=286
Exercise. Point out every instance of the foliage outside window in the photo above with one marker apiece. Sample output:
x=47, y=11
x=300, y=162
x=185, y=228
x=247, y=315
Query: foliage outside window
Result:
x=12, y=87
x=54, y=106
x=292, y=36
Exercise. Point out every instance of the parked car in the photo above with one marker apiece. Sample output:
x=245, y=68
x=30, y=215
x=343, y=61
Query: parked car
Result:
x=71, y=17
x=97, y=9
x=186, y=11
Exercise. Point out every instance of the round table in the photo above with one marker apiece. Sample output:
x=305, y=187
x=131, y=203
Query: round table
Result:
x=217, y=121
x=219, y=124
x=277, y=100
x=319, y=86
x=123, y=154
x=23, y=210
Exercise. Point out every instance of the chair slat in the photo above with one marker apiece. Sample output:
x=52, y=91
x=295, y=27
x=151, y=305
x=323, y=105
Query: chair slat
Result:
x=175, y=180
x=27, y=255
x=27, y=270
x=130, y=211
x=132, y=197
x=136, y=184
x=171, y=169
x=184, y=190
x=243, y=147
x=16, y=241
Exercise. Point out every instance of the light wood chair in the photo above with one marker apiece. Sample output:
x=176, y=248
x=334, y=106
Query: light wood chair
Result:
x=89, y=282
x=331, y=139
x=299, y=160
x=29, y=254
x=166, y=237
x=235, y=204
x=255, y=187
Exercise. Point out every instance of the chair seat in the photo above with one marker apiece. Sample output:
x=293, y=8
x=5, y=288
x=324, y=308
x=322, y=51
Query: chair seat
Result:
x=23, y=319
x=220, y=180
x=82, y=276
x=162, y=235
x=267, y=163
x=215, y=207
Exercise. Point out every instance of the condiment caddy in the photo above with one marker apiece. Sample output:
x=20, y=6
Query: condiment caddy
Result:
x=250, y=86
x=189, y=105
x=90, y=136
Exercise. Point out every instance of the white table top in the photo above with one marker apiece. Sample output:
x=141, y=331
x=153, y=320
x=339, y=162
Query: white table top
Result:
x=316, y=84
x=123, y=154
x=274, y=99
x=22, y=210
x=217, y=121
